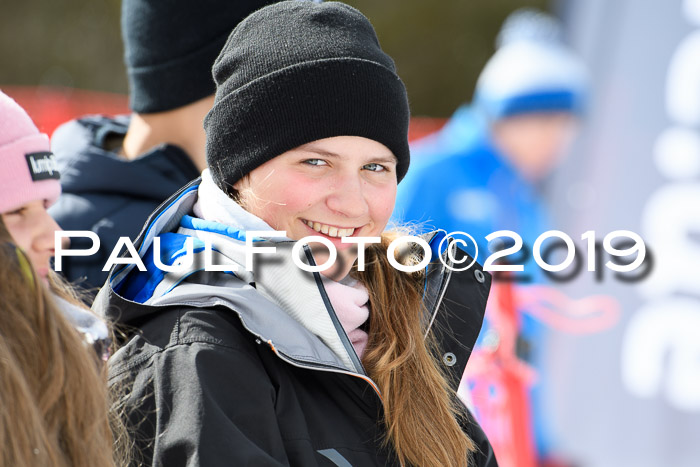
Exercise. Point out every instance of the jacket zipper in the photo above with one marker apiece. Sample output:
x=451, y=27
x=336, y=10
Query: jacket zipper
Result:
x=334, y=317
x=307, y=366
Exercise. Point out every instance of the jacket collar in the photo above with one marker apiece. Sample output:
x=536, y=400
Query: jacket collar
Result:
x=273, y=298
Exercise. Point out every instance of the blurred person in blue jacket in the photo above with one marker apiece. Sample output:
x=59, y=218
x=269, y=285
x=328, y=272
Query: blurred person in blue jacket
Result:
x=482, y=171
x=116, y=170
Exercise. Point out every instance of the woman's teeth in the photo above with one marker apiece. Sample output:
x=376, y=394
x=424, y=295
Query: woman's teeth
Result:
x=330, y=230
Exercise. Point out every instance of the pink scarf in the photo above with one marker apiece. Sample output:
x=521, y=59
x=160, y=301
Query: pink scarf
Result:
x=350, y=300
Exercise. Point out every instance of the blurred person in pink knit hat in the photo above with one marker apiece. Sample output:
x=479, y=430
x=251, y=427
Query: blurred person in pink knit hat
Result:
x=29, y=184
x=59, y=417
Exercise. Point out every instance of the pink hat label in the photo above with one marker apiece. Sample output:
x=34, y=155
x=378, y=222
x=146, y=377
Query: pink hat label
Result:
x=42, y=166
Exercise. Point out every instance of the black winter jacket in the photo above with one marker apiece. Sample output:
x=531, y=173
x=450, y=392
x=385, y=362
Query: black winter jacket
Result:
x=222, y=374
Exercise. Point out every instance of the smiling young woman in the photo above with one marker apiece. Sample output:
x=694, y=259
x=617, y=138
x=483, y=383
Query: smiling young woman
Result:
x=279, y=366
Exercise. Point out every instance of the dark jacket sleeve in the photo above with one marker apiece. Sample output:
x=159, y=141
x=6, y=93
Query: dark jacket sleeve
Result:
x=484, y=456
x=210, y=405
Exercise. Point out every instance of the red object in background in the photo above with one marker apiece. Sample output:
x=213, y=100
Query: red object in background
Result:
x=423, y=126
x=51, y=106
x=499, y=384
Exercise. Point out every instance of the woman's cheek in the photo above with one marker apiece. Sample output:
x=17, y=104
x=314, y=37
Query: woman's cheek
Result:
x=301, y=193
x=384, y=202
x=17, y=231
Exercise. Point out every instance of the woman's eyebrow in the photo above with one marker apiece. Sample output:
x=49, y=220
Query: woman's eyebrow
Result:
x=322, y=152
x=385, y=159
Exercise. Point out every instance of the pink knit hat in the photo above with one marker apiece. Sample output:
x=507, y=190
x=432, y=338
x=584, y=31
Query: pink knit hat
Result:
x=28, y=170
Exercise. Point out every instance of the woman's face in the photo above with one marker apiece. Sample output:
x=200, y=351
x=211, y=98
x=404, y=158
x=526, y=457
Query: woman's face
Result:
x=32, y=229
x=337, y=187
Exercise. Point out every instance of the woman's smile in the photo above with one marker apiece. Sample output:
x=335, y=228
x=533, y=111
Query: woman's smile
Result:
x=330, y=230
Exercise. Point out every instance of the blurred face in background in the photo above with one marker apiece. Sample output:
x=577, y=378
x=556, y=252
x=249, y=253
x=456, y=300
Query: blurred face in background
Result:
x=535, y=142
x=337, y=187
x=32, y=229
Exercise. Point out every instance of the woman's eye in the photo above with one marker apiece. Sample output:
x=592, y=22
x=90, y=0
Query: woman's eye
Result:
x=16, y=212
x=375, y=167
x=316, y=162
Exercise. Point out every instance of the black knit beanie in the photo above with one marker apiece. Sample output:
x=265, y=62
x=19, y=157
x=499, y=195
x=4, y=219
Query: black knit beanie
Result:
x=170, y=47
x=295, y=72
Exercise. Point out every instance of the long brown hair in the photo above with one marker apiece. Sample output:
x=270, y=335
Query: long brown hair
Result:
x=421, y=412
x=124, y=447
x=54, y=405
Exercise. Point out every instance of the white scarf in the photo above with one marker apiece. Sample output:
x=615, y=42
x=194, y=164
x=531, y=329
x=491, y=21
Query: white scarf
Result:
x=215, y=205
x=348, y=297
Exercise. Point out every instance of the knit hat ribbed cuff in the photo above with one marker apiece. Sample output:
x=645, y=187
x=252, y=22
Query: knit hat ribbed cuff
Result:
x=294, y=106
x=16, y=182
x=166, y=86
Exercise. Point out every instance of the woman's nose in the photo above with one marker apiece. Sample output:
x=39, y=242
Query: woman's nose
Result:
x=347, y=197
